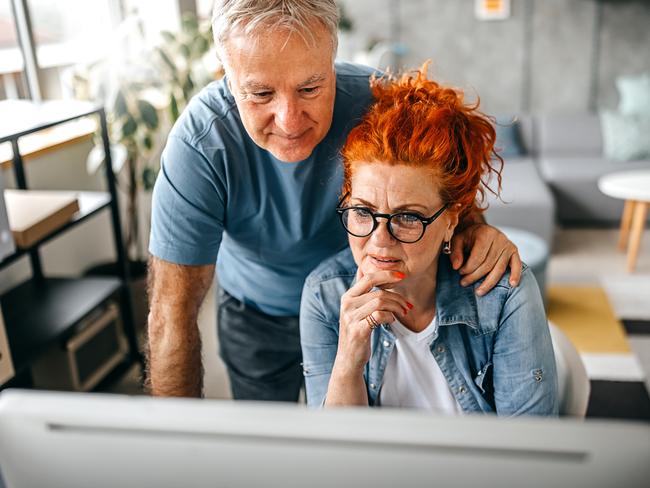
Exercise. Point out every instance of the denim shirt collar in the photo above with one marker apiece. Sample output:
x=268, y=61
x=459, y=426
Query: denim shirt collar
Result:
x=454, y=303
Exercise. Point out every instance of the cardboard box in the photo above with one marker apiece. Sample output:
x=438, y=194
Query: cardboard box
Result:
x=34, y=214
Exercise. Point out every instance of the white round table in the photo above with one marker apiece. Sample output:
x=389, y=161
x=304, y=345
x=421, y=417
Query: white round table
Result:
x=634, y=188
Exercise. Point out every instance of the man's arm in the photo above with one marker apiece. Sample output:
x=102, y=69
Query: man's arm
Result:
x=174, y=356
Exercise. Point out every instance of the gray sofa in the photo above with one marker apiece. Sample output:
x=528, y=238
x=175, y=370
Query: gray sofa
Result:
x=569, y=154
x=526, y=201
x=555, y=179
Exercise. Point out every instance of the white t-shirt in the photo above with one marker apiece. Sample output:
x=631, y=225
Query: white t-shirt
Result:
x=412, y=377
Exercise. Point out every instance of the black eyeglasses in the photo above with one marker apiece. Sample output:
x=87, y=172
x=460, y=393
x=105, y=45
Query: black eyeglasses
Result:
x=407, y=227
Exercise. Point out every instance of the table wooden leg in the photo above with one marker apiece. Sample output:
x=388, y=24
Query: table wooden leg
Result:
x=626, y=222
x=638, y=224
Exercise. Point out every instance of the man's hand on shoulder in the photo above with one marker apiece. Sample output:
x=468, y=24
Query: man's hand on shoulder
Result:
x=490, y=255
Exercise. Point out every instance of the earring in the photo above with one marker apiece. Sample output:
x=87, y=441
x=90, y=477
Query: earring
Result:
x=446, y=247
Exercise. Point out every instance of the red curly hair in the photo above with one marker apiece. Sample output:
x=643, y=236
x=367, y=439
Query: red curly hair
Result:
x=415, y=121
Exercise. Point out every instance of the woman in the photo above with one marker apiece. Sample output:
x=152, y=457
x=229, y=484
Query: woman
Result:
x=387, y=322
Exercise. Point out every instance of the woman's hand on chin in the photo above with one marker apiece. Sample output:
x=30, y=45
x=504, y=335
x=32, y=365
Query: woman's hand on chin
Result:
x=363, y=308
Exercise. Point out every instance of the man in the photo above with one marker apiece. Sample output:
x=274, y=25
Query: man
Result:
x=250, y=178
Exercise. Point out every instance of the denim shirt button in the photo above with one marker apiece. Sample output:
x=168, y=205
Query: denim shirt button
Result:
x=479, y=373
x=372, y=386
x=441, y=348
x=461, y=390
x=386, y=344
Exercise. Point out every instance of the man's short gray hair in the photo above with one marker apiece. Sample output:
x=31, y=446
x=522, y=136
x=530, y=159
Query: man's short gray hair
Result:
x=253, y=15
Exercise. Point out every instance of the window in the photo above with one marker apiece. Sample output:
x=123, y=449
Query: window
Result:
x=12, y=77
x=204, y=9
x=67, y=33
x=70, y=32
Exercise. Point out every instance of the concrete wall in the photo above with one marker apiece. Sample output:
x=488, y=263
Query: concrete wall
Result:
x=550, y=55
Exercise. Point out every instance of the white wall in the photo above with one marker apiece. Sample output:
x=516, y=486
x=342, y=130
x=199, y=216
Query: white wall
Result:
x=86, y=244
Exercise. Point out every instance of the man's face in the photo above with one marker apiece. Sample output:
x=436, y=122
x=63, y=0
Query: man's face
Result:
x=284, y=89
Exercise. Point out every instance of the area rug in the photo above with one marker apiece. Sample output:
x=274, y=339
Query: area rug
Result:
x=585, y=315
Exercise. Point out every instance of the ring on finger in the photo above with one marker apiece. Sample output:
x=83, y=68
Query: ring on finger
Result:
x=372, y=322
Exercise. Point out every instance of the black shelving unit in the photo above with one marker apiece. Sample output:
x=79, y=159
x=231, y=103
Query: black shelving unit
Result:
x=44, y=310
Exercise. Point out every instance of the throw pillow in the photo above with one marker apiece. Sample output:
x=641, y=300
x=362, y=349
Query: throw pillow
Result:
x=634, y=94
x=625, y=137
x=509, y=142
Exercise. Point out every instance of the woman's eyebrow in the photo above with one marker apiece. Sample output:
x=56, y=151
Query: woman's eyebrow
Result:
x=406, y=206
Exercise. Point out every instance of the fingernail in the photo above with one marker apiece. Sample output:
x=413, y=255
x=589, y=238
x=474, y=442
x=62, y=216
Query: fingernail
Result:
x=399, y=275
x=409, y=305
x=480, y=292
x=463, y=283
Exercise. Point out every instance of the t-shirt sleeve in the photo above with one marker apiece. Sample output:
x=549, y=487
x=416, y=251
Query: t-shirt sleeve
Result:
x=188, y=206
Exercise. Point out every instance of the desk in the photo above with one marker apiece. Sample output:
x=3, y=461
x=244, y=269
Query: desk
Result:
x=634, y=188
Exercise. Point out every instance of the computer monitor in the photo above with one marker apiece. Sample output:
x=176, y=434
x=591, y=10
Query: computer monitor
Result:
x=100, y=440
x=6, y=238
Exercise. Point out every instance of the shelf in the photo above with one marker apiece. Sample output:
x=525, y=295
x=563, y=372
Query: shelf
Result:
x=49, y=140
x=39, y=313
x=89, y=204
x=21, y=117
x=46, y=311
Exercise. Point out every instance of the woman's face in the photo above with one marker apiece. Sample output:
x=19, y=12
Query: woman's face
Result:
x=389, y=189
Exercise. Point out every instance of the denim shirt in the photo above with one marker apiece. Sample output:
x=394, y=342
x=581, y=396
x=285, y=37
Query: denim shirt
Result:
x=495, y=351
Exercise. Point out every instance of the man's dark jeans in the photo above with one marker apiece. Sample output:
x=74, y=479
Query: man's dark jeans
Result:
x=261, y=352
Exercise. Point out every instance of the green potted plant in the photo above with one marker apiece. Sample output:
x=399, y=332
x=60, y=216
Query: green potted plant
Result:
x=144, y=89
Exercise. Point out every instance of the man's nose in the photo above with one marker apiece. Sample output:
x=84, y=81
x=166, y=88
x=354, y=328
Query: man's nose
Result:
x=288, y=117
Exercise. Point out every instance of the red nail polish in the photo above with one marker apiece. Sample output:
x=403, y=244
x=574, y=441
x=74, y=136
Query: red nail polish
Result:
x=399, y=275
x=409, y=305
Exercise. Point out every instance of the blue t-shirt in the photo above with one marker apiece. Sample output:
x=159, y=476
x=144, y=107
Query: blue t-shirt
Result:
x=267, y=223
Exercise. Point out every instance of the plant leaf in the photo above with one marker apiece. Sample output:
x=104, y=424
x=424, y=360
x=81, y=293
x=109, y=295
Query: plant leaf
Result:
x=168, y=62
x=129, y=127
x=173, y=107
x=148, y=114
x=147, y=142
x=168, y=36
x=188, y=87
x=148, y=178
x=190, y=23
x=200, y=46
x=120, y=106
x=185, y=50
x=96, y=158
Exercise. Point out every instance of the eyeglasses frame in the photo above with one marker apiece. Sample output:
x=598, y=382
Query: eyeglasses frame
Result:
x=426, y=221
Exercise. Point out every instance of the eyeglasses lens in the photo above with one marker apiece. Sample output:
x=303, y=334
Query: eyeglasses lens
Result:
x=405, y=227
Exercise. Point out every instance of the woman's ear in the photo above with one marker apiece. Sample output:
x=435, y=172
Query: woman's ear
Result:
x=452, y=220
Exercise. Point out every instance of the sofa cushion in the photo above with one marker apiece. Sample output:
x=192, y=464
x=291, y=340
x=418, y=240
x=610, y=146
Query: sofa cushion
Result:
x=509, y=142
x=634, y=94
x=576, y=134
x=625, y=137
x=526, y=202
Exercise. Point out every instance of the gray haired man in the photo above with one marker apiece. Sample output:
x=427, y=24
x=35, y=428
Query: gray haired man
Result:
x=249, y=179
